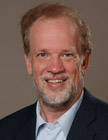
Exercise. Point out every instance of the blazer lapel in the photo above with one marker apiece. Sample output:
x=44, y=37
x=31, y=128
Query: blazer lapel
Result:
x=85, y=116
x=80, y=132
x=28, y=130
x=80, y=129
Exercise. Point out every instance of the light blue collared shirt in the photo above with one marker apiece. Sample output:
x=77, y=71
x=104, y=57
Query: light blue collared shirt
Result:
x=60, y=128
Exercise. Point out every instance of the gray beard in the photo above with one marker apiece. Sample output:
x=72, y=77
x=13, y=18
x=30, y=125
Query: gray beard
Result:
x=68, y=98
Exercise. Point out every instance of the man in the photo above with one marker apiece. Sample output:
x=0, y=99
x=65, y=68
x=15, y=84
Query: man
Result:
x=56, y=51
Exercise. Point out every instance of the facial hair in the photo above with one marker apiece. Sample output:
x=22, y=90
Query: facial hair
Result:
x=67, y=94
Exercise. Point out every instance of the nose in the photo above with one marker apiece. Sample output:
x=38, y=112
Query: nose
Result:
x=55, y=65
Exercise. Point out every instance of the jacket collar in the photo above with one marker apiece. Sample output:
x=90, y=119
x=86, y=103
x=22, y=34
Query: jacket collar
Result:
x=79, y=129
x=27, y=132
x=84, y=118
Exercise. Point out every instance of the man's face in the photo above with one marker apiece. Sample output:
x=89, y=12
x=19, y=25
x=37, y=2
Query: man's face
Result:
x=56, y=62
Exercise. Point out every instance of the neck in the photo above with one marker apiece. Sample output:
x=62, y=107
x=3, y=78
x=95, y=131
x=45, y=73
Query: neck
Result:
x=51, y=114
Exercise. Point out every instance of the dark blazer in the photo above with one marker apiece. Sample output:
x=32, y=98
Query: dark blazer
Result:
x=90, y=123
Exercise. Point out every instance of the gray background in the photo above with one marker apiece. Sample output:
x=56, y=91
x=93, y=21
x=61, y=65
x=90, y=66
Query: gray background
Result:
x=16, y=87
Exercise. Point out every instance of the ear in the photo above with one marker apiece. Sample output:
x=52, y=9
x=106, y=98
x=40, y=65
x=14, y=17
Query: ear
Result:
x=28, y=64
x=84, y=64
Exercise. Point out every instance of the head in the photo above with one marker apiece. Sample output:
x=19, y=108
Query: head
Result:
x=56, y=49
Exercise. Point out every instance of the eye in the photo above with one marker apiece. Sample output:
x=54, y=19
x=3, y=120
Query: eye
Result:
x=67, y=54
x=42, y=54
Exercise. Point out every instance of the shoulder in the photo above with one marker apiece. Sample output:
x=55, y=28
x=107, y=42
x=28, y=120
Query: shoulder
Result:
x=17, y=120
x=101, y=120
x=19, y=114
x=100, y=105
x=93, y=113
x=100, y=108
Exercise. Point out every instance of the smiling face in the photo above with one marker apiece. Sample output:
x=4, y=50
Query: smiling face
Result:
x=56, y=62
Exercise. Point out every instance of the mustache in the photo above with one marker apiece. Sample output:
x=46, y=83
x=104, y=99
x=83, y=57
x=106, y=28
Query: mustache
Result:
x=51, y=75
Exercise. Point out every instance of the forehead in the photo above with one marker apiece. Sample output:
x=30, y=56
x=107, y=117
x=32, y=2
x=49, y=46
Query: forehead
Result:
x=55, y=31
x=62, y=22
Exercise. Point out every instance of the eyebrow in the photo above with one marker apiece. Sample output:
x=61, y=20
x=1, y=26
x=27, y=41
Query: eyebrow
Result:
x=72, y=49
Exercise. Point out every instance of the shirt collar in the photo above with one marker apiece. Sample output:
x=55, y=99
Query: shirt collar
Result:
x=65, y=120
x=40, y=121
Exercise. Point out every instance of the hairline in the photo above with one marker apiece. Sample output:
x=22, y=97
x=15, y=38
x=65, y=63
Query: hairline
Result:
x=61, y=17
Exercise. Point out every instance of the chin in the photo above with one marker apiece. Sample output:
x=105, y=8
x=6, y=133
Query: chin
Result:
x=58, y=99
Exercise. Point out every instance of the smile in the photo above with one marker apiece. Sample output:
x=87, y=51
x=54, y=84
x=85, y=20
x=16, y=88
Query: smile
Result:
x=55, y=81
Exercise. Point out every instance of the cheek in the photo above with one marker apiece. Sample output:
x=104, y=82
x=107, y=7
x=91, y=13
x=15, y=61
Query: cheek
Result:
x=39, y=68
x=72, y=68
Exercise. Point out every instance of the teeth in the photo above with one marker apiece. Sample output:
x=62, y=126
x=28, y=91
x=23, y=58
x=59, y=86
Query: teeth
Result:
x=55, y=81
